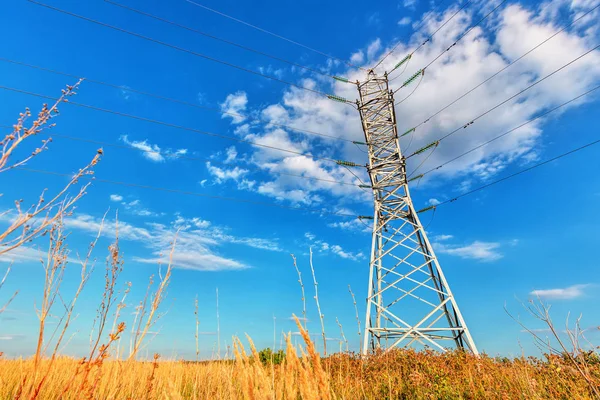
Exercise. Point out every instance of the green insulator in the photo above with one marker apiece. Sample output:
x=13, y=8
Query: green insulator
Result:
x=341, y=79
x=357, y=142
x=430, y=145
x=337, y=98
x=408, y=131
x=415, y=178
x=426, y=209
x=364, y=217
x=347, y=163
x=405, y=59
x=412, y=78
x=365, y=186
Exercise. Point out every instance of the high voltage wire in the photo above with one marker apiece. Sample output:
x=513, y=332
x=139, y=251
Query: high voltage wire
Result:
x=429, y=15
x=507, y=66
x=172, y=100
x=465, y=126
x=272, y=34
x=186, y=157
x=409, y=56
x=519, y=172
x=217, y=38
x=156, y=41
x=466, y=33
x=234, y=199
x=511, y=130
x=422, y=70
x=152, y=121
x=190, y=193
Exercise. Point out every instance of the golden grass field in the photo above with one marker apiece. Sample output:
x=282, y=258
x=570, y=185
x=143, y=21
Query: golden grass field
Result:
x=401, y=374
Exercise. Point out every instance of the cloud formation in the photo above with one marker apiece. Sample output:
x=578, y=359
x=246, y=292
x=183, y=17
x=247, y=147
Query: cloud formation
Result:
x=568, y=293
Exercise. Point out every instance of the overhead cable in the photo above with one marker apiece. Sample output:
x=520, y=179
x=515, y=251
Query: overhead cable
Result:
x=191, y=193
x=186, y=157
x=273, y=34
x=506, y=66
x=511, y=130
x=519, y=172
x=422, y=70
x=172, y=100
x=208, y=35
x=416, y=29
x=170, y=125
x=536, y=82
x=181, y=49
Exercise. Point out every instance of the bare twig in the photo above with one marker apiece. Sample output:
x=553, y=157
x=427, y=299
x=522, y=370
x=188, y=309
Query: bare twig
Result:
x=157, y=299
x=321, y=316
x=302, y=288
x=355, y=309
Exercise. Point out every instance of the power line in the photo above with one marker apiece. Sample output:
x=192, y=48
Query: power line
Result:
x=431, y=13
x=511, y=130
x=272, y=34
x=152, y=121
x=147, y=38
x=217, y=38
x=465, y=126
x=466, y=33
x=186, y=157
x=507, y=66
x=422, y=70
x=172, y=100
x=519, y=172
x=190, y=193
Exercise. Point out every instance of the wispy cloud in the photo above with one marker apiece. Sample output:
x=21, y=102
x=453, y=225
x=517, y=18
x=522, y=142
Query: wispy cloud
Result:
x=324, y=247
x=153, y=152
x=235, y=103
x=198, y=241
x=405, y=21
x=567, y=293
x=116, y=197
x=482, y=251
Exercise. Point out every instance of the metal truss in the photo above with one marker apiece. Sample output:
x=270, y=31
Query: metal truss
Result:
x=409, y=301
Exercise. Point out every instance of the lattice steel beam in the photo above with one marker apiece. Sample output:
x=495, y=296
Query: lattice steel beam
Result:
x=409, y=300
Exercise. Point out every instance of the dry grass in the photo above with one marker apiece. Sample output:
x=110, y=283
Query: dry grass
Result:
x=396, y=375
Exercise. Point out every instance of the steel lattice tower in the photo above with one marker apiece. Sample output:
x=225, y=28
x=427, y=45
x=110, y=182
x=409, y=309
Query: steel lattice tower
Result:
x=409, y=301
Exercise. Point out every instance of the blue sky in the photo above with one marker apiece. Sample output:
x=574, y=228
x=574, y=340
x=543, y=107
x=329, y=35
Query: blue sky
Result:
x=535, y=232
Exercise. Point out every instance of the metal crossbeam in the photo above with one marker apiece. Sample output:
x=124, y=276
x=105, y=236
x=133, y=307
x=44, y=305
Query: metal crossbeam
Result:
x=407, y=287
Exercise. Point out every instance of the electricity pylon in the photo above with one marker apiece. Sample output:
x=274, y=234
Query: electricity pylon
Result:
x=409, y=301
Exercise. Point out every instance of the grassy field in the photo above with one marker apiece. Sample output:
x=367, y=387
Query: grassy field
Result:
x=401, y=374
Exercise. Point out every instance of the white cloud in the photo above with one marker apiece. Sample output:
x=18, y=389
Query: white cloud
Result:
x=409, y=3
x=235, y=103
x=358, y=57
x=568, y=293
x=23, y=254
x=322, y=246
x=231, y=154
x=441, y=238
x=151, y=151
x=482, y=251
x=197, y=244
x=116, y=197
x=12, y=337
x=405, y=21
x=91, y=225
x=433, y=202
x=224, y=174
